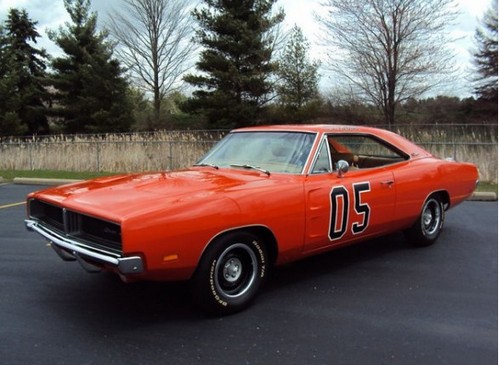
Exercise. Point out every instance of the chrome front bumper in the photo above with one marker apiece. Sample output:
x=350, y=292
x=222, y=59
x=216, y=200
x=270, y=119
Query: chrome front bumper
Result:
x=71, y=250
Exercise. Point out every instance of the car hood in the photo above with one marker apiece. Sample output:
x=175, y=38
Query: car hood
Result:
x=119, y=197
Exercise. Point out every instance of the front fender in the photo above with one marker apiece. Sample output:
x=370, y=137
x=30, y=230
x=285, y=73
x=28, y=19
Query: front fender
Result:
x=171, y=239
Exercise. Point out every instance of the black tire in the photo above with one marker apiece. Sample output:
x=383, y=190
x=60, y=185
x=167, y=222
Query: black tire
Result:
x=230, y=273
x=427, y=228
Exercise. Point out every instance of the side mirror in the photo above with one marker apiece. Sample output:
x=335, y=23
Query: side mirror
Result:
x=342, y=167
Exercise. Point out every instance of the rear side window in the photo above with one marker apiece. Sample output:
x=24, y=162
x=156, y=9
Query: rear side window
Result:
x=360, y=151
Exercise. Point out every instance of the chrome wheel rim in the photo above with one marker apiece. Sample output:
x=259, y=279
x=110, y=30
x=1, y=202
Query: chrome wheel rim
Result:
x=431, y=217
x=232, y=270
x=235, y=270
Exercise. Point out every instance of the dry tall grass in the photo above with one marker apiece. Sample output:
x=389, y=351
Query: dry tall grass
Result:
x=110, y=152
x=484, y=156
x=172, y=150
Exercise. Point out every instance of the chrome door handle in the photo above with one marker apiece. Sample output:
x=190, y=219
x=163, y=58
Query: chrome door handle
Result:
x=388, y=183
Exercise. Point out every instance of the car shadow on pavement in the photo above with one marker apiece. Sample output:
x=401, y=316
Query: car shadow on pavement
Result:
x=104, y=300
x=335, y=261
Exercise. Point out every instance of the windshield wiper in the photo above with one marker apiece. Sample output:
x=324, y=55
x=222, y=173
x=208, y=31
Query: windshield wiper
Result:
x=245, y=166
x=207, y=164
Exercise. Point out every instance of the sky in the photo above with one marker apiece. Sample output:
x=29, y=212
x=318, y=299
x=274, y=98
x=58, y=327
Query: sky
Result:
x=50, y=15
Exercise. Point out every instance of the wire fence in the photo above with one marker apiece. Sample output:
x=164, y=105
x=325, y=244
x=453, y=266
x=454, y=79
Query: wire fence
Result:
x=168, y=150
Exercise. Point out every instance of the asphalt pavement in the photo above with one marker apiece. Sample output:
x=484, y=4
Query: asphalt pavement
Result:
x=379, y=302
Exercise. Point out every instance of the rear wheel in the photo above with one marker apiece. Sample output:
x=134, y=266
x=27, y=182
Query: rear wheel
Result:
x=230, y=273
x=427, y=228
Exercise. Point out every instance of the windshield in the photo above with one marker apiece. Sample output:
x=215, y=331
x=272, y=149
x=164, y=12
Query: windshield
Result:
x=280, y=152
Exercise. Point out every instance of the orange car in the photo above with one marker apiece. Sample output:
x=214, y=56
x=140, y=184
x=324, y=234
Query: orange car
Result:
x=262, y=196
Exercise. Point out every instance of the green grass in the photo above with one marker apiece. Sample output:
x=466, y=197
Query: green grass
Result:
x=487, y=187
x=48, y=174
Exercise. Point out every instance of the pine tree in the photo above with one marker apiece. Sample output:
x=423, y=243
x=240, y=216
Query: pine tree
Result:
x=486, y=56
x=236, y=63
x=90, y=91
x=23, y=93
x=8, y=126
x=298, y=77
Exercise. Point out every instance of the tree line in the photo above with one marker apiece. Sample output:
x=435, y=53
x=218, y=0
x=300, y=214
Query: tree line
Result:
x=161, y=64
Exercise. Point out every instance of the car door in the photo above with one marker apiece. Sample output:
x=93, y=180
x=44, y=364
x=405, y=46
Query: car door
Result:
x=341, y=208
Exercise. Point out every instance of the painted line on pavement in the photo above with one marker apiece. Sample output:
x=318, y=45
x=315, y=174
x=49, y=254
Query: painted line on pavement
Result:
x=11, y=205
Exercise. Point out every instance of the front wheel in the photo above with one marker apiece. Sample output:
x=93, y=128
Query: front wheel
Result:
x=427, y=228
x=230, y=273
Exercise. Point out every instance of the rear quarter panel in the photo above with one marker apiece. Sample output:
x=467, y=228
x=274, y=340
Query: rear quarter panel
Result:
x=418, y=179
x=461, y=180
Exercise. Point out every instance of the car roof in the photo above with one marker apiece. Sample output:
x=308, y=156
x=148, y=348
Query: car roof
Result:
x=392, y=138
x=314, y=128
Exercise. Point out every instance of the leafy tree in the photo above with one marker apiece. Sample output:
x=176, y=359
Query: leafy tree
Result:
x=236, y=62
x=486, y=56
x=298, y=77
x=23, y=93
x=90, y=91
x=390, y=50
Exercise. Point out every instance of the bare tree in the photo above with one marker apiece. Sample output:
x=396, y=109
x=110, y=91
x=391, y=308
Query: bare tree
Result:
x=389, y=50
x=154, y=43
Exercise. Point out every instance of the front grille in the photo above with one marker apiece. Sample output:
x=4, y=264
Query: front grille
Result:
x=49, y=214
x=91, y=231
x=71, y=222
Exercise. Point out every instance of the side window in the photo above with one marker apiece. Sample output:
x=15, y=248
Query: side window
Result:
x=323, y=162
x=363, y=151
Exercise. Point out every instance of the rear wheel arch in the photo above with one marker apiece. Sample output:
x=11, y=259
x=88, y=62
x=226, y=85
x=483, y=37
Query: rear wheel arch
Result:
x=427, y=227
x=444, y=197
